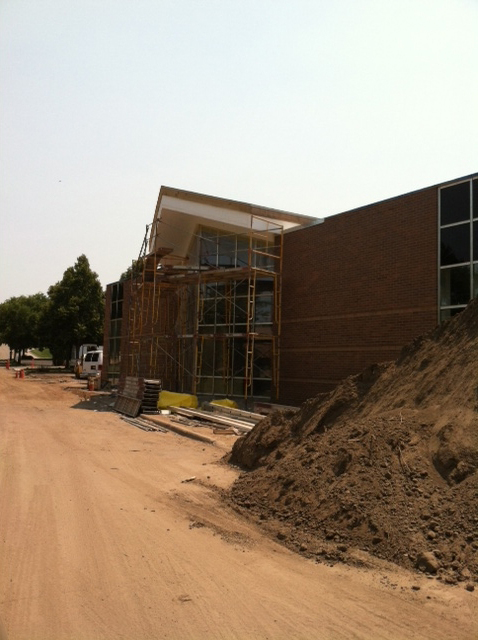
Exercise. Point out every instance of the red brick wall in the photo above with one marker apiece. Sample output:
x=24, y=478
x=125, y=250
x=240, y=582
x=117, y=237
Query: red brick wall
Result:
x=355, y=290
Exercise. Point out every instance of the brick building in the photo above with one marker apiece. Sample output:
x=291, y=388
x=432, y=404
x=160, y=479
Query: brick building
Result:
x=229, y=305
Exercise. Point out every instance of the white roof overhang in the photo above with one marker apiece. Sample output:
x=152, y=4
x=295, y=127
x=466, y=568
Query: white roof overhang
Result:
x=177, y=221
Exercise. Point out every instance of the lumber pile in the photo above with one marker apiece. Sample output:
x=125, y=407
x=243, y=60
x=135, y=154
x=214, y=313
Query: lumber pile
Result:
x=235, y=420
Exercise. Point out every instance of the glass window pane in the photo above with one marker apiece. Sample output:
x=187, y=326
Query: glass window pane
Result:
x=208, y=248
x=220, y=386
x=242, y=258
x=206, y=355
x=240, y=311
x=264, y=285
x=238, y=387
x=475, y=241
x=263, y=310
x=227, y=251
x=239, y=357
x=205, y=385
x=455, y=244
x=262, y=388
x=455, y=203
x=446, y=314
x=475, y=198
x=454, y=286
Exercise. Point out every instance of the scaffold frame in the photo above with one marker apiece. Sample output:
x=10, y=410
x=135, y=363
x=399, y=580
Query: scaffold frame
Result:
x=205, y=328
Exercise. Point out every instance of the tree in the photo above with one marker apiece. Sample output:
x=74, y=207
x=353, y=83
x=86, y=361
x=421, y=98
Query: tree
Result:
x=135, y=270
x=75, y=311
x=20, y=319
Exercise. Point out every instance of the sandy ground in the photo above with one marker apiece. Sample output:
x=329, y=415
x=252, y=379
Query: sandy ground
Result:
x=101, y=539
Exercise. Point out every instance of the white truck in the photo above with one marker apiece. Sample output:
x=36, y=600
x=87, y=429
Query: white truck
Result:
x=84, y=349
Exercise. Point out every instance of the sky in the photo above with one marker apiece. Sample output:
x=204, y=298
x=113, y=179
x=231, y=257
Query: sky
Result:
x=310, y=106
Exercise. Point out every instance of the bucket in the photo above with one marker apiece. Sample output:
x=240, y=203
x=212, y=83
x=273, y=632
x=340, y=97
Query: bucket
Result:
x=91, y=383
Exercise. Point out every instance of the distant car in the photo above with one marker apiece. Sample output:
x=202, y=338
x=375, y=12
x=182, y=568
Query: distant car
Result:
x=92, y=364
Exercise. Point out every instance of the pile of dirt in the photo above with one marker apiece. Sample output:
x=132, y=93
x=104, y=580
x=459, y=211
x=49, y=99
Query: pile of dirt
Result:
x=386, y=463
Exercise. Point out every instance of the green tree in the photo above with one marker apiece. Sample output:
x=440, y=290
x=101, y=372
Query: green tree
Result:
x=135, y=270
x=20, y=319
x=75, y=311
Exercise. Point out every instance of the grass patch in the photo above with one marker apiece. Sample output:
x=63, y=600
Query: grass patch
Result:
x=41, y=353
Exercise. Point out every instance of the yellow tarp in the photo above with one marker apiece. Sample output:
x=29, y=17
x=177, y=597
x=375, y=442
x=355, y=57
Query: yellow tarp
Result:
x=225, y=402
x=170, y=399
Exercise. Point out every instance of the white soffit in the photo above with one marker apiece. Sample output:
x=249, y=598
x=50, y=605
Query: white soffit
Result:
x=230, y=217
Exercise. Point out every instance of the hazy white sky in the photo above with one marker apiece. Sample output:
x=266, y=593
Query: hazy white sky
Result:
x=313, y=106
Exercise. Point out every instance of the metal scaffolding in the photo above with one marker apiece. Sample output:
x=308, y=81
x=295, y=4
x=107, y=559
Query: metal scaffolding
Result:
x=211, y=327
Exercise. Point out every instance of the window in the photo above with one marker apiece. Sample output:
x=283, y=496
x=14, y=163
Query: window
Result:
x=233, y=308
x=458, y=260
x=455, y=203
x=455, y=244
x=116, y=315
x=455, y=286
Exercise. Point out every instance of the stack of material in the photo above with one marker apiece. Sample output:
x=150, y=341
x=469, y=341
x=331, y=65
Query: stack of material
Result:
x=130, y=398
x=150, y=395
x=220, y=418
x=138, y=396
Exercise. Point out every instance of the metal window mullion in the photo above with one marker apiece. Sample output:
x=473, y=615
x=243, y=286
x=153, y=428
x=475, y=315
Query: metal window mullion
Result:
x=439, y=258
x=471, y=240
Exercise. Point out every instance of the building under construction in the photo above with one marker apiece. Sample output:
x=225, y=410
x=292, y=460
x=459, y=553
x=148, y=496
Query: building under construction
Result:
x=201, y=308
x=227, y=299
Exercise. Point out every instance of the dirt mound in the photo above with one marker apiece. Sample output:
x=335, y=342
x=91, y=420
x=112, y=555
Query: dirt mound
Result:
x=386, y=463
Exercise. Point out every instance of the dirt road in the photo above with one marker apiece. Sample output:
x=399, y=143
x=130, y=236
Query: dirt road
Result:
x=101, y=539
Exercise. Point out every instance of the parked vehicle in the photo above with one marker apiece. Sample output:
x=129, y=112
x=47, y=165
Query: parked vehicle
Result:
x=84, y=350
x=92, y=364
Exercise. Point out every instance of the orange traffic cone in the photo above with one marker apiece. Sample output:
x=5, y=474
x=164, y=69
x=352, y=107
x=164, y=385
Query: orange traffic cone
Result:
x=7, y=365
x=22, y=373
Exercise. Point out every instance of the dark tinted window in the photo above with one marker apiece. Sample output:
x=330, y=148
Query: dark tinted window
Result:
x=475, y=198
x=455, y=203
x=95, y=357
x=455, y=244
x=475, y=241
x=455, y=286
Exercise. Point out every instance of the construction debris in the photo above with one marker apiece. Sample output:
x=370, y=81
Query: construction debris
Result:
x=138, y=396
x=143, y=424
x=208, y=416
x=166, y=423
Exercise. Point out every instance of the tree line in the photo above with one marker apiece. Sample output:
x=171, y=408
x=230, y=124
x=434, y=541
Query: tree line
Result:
x=71, y=314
